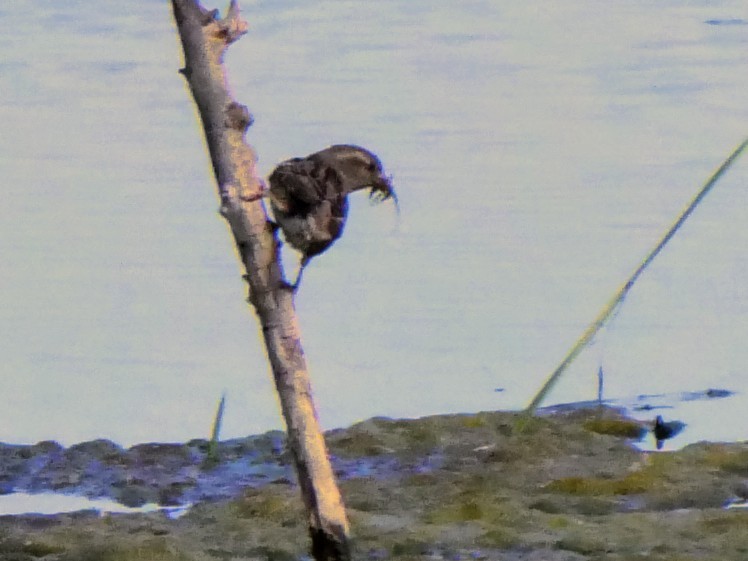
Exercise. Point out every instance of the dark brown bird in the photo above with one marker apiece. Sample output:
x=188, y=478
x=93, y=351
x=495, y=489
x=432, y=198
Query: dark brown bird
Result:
x=309, y=196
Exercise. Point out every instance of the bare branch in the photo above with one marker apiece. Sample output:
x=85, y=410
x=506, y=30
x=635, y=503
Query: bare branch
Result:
x=205, y=39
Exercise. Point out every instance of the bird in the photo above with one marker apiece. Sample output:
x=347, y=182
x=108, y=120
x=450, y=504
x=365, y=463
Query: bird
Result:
x=309, y=196
x=664, y=430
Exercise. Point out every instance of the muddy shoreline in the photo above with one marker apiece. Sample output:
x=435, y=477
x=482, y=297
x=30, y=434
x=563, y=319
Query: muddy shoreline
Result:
x=175, y=474
x=172, y=474
x=569, y=486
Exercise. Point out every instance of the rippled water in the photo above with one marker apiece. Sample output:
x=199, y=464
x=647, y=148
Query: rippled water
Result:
x=539, y=152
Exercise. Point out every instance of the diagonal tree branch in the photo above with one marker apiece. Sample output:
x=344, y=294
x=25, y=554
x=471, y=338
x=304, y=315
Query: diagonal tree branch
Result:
x=205, y=39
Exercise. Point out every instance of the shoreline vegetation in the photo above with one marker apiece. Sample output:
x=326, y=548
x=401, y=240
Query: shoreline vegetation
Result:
x=567, y=486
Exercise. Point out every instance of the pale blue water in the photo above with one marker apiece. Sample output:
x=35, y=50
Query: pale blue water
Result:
x=539, y=152
x=52, y=503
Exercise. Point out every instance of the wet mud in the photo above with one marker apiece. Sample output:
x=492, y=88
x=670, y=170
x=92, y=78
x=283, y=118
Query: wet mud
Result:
x=569, y=485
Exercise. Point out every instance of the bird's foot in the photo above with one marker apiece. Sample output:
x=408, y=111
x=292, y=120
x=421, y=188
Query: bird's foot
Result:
x=259, y=194
x=294, y=287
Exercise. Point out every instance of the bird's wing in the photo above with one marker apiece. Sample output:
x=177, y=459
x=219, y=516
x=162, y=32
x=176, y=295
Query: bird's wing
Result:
x=326, y=223
x=293, y=181
x=330, y=178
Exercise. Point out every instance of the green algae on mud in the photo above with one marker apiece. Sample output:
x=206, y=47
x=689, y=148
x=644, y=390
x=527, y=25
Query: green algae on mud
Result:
x=567, y=487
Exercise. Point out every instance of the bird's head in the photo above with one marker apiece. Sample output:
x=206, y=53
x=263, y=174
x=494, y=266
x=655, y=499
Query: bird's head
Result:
x=360, y=169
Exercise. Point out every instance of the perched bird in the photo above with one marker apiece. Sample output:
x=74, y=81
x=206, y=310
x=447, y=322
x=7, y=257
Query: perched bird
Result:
x=309, y=196
x=663, y=430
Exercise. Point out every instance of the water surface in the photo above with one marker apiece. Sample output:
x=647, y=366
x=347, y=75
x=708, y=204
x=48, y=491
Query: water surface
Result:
x=539, y=152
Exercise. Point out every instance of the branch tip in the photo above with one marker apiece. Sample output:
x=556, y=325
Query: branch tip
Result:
x=233, y=10
x=232, y=26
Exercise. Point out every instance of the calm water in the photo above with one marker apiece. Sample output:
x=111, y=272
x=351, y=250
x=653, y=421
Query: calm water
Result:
x=539, y=153
x=52, y=503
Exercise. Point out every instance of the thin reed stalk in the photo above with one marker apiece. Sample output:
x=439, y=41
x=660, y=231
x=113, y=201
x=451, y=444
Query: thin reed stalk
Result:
x=619, y=296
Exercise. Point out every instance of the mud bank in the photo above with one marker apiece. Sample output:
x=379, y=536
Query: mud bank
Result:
x=570, y=486
x=173, y=474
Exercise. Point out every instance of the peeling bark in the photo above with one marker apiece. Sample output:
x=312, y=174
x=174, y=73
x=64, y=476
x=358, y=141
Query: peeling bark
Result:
x=205, y=39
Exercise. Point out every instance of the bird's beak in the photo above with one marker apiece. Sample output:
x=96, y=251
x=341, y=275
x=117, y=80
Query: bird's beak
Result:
x=381, y=190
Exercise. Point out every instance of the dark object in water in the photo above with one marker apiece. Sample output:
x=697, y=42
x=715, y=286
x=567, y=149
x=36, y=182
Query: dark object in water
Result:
x=663, y=431
x=713, y=393
x=309, y=196
x=730, y=21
